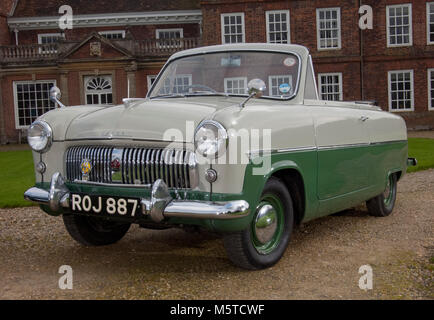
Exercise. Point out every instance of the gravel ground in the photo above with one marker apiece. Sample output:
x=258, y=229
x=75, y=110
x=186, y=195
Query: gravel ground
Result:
x=322, y=261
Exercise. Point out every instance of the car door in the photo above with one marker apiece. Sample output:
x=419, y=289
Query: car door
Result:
x=343, y=150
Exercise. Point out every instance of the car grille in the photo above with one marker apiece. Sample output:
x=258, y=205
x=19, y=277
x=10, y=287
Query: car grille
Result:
x=132, y=166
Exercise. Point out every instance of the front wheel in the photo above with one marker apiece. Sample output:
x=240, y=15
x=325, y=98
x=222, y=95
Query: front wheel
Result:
x=90, y=231
x=383, y=204
x=264, y=242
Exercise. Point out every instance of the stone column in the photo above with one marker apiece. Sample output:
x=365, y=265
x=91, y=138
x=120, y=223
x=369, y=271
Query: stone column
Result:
x=63, y=86
x=131, y=79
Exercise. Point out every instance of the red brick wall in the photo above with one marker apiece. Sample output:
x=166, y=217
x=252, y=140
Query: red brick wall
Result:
x=303, y=22
x=5, y=9
x=350, y=77
x=5, y=37
x=375, y=41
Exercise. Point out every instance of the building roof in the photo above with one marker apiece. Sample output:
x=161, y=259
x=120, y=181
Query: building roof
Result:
x=38, y=8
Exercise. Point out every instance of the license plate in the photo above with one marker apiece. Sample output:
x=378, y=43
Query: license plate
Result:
x=105, y=205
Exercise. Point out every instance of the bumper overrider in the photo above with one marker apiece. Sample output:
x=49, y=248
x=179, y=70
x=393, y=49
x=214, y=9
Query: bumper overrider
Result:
x=160, y=206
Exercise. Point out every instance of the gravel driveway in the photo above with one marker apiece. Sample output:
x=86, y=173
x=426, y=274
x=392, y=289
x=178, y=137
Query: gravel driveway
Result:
x=322, y=261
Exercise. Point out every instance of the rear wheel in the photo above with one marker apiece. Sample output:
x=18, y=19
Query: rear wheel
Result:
x=90, y=231
x=264, y=242
x=383, y=204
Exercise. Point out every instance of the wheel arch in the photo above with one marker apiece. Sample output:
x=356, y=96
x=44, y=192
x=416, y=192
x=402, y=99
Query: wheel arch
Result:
x=294, y=182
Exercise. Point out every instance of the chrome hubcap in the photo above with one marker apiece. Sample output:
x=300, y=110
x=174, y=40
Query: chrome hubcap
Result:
x=388, y=192
x=265, y=223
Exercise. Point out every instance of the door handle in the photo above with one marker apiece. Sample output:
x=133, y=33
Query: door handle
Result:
x=364, y=118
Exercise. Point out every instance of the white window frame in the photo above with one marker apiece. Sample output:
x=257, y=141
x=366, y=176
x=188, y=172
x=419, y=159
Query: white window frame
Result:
x=40, y=35
x=430, y=79
x=318, y=30
x=180, y=30
x=165, y=45
x=270, y=87
x=189, y=76
x=288, y=23
x=226, y=80
x=428, y=33
x=86, y=79
x=54, y=34
x=243, y=28
x=16, y=111
x=341, y=88
x=149, y=79
x=410, y=21
x=103, y=33
x=389, y=85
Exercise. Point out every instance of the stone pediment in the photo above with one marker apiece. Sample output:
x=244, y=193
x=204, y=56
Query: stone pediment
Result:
x=96, y=47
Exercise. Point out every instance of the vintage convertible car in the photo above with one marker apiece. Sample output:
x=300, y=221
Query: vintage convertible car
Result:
x=230, y=138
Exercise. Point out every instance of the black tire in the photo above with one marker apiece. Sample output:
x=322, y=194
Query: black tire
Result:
x=90, y=231
x=240, y=246
x=383, y=204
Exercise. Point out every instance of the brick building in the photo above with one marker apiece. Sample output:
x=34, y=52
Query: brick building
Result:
x=116, y=48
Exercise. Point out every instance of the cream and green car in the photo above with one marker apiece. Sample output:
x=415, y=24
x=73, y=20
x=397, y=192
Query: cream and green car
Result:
x=230, y=138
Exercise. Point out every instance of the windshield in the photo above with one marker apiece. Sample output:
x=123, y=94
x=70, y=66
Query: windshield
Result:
x=228, y=73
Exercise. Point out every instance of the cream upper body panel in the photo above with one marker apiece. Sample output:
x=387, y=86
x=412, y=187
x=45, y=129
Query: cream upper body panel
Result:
x=59, y=119
x=345, y=123
x=156, y=119
x=290, y=126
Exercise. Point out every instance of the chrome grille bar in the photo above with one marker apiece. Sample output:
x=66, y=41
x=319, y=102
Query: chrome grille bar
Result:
x=138, y=166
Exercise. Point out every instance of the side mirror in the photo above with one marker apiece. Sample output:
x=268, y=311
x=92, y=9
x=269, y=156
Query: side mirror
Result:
x=55, y=96
x=256, y=88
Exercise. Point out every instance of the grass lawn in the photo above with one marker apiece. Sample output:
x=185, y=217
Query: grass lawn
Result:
x=16, y=177
x=19, y=175
x=423, y=150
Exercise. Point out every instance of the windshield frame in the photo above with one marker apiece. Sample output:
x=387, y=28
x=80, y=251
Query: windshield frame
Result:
x=170, y=61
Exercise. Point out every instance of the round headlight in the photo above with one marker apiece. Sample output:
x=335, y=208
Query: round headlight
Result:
x=210, y=139
x=39, y=136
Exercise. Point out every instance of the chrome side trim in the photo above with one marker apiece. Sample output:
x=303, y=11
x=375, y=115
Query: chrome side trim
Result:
x=330, y=147
x=388, y=142
x=344, y=146
x=269, y=152
x=296, y=149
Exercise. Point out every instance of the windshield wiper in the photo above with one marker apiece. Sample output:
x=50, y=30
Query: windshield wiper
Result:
x=192, y=94
x=205, y=93
x=175, y=95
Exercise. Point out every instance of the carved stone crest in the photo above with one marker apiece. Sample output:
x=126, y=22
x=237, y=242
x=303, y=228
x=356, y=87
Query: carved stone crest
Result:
x=95, y=49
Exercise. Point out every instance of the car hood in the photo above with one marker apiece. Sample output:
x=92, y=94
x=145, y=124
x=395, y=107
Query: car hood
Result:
x=172, y=119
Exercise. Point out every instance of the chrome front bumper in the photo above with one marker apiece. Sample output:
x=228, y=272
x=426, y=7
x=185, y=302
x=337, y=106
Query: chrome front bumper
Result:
x=160, y=206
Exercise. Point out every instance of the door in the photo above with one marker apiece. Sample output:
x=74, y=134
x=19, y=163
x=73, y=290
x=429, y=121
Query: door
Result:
x=343, y=151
